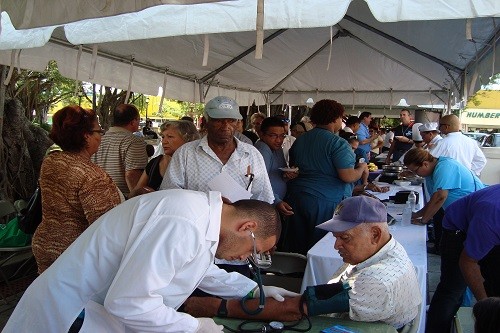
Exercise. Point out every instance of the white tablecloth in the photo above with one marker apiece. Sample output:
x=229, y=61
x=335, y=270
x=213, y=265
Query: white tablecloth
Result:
x=323, y=260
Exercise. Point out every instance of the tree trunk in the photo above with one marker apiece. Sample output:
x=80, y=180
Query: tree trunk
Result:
x=23, y=149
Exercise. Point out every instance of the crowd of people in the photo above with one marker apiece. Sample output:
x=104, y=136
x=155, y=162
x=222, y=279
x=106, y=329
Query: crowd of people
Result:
x=126, y=241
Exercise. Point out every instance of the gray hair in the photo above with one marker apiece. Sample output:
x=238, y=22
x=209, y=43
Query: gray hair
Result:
x=186, y=129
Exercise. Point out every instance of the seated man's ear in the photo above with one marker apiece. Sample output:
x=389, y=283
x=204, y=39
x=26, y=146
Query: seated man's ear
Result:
x=375, y=233
x=226, y=200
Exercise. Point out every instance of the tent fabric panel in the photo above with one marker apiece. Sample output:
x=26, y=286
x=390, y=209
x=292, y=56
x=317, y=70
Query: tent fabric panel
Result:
x=209, y=18
x=11, y=38
x=410, y=10
x=32, y=14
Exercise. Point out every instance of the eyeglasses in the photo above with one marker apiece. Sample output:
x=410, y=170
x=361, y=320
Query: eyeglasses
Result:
x=442, y=124
x=100, y=131
x=261, y=260
x=276, y=136
x=286, y=120
x=416, y=170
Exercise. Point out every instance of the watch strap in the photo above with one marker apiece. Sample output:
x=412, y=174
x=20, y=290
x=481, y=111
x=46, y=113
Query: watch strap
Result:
x=222, y=311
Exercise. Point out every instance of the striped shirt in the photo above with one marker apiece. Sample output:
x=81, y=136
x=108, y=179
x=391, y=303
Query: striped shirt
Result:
x=121, y=151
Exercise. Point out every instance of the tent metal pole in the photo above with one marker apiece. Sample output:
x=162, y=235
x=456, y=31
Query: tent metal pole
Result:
x=400, y=42
x=337, y=35
x=453, y=79
x=240, y=56
x=203, y=95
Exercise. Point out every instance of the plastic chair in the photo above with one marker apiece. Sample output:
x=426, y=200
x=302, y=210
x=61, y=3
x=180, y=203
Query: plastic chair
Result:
x=286, y=271
x=7, y=211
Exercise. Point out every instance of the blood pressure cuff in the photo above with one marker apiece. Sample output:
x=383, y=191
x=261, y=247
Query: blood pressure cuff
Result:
x=326, y=298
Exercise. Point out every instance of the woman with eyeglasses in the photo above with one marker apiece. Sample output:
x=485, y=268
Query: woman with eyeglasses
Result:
x=446, y=180
x=174, y=134
x=75, y=191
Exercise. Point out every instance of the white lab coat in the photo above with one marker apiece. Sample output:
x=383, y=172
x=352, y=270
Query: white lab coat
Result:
x=132, y=268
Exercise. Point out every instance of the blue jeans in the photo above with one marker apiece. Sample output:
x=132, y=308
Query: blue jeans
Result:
x=450, y=290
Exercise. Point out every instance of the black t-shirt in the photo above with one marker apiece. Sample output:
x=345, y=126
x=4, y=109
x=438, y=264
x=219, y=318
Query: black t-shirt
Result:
x=406, y=131
x=153, y=172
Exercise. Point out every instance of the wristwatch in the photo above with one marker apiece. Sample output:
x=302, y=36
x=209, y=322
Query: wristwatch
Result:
x=222, y=311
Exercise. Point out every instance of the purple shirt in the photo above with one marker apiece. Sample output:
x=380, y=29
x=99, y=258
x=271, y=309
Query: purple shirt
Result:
x=478, y=215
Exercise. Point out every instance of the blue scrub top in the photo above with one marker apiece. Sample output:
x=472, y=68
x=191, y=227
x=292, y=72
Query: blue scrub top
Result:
x=452, y=176
x=318, y=154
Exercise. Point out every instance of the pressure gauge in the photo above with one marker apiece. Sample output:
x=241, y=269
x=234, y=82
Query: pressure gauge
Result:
x=277, y=325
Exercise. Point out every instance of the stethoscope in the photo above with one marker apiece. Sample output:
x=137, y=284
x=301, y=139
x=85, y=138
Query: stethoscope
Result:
x=256, y=261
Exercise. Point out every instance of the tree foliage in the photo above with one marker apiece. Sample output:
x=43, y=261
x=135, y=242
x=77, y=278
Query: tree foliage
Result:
x=37, y=91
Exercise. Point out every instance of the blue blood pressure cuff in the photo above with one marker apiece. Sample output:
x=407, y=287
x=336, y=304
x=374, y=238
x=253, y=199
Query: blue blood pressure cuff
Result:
x=326, y=298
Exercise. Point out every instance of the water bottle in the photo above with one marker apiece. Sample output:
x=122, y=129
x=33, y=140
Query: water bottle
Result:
x=412, y=200
x=406, y=217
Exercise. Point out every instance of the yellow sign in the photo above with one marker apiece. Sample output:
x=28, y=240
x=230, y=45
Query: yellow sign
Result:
x=483, y=117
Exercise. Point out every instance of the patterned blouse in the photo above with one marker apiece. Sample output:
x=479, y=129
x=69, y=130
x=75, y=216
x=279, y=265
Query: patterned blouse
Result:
x=75, y=192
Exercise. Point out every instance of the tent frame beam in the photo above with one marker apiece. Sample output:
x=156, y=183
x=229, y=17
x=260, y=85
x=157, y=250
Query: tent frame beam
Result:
x=393, y=59
x=302, y=64
x=240, y=56
x=403, y=44
x=494, y=38
x=87, y=49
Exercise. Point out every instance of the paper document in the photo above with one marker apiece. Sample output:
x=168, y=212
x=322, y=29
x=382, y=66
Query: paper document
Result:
x=228, y=187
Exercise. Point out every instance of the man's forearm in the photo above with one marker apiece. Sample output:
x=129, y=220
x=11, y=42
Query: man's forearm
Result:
x=132, y=178
x=472, y=275
x=288, y=310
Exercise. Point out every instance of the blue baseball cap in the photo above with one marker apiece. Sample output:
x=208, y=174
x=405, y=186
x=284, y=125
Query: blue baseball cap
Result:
x=223, y=107
x=353, y=211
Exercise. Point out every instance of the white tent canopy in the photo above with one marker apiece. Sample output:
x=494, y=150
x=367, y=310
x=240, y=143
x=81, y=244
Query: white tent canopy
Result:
x=370, y=52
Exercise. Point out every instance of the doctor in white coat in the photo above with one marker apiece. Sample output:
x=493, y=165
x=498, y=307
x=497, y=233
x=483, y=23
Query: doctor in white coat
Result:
x=134, y=266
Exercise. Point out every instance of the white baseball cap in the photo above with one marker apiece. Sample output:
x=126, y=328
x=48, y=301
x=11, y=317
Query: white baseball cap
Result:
x=428, y=127
x=223, y=107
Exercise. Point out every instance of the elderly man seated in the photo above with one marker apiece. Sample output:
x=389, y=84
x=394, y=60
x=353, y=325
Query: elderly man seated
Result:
x=377, y=282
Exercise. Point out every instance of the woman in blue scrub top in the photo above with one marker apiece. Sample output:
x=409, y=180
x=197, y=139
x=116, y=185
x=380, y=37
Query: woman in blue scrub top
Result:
x=326, y=173
x=446, y=179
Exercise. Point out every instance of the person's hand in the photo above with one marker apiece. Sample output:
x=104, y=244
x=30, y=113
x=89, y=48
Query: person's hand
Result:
x=208, y=325
x=141, y=190
x=202, y=306
x=387, y=159
x=417, y=218
x=277, y=293
x=288, y=175
x=284, y=208
x=376, y=188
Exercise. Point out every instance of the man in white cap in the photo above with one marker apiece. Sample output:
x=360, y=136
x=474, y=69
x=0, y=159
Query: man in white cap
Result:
x=195, y=163
x=377, y=282
x=430, y=135
x=382, y=278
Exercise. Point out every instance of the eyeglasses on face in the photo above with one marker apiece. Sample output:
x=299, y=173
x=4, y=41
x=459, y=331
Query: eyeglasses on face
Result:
x=416, y=170
x=100, y=131
x=261, y=260
x=276, y=136
x=443, y=124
